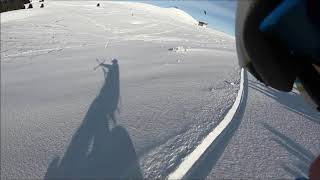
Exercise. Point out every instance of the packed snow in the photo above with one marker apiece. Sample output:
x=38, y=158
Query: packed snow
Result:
x=278, y=138
x=51, y=93
x=275, y=135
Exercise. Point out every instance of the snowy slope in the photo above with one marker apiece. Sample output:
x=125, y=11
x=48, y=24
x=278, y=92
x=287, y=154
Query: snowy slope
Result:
x=276, y=136
x=50, y=94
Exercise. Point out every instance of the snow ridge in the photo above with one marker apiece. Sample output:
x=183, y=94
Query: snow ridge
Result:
x=164, y=159
x=192, y=158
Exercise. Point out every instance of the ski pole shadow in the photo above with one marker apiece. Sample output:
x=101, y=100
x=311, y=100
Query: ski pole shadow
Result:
x=205, y=165
x=291, y=101
x=299, y=167
x=97, y=151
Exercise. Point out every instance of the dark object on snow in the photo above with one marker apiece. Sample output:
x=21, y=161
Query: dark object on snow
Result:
x=41, y=0
x=98, y=5
x=41, y=6
x=314, y=169
x=30, y=6
x=9, y=5
x=204, y=24
x=205, y=12
x=97, y=151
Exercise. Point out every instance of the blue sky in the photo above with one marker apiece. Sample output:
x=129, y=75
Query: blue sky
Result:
x=220, y=13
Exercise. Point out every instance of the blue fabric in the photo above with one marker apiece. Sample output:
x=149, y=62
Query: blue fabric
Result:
x=278, y=13
x=291, y=24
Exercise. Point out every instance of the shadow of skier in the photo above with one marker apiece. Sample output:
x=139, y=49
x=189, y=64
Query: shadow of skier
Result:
x=96, y=151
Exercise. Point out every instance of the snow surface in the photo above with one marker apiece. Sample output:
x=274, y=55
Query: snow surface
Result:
x=275, y=136
x=51, y=96
x=196, y=155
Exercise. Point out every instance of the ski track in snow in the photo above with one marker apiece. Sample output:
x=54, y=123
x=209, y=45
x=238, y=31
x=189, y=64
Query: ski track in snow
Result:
x=195, y=156
x=169, y=100
x=278, y=138
x=273, y=135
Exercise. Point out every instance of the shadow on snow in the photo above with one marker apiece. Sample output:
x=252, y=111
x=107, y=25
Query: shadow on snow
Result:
x=299, y=167
x=291, y=101
x=96, y=150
